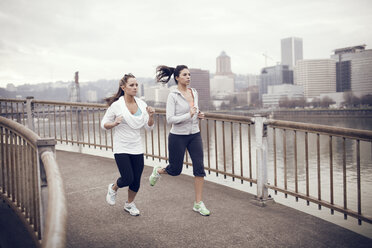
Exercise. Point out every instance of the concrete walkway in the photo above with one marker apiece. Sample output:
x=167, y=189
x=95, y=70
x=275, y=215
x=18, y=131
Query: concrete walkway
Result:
x=167, y=219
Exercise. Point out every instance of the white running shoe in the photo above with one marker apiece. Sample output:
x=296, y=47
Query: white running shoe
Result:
x=111, y=195
x=131, y=208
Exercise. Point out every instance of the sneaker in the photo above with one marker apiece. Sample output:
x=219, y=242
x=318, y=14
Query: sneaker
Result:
x=131, y=208
x=200, y=207
x=111, y=195
x=154, y=177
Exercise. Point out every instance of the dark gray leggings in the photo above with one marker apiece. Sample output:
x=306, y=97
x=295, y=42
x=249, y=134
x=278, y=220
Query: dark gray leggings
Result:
x=177, y=145
x=130, y=167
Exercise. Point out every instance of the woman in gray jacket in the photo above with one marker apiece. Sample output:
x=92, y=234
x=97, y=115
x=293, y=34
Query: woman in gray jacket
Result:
x=183, y=113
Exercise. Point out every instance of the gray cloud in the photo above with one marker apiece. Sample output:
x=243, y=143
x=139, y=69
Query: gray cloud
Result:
x=44, y=41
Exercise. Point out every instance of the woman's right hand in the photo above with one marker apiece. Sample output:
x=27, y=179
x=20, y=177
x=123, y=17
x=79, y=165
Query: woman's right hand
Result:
x=192, y=111
x=118, y=120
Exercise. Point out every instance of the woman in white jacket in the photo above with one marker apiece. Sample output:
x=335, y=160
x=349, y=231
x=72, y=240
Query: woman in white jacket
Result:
x=127, y=114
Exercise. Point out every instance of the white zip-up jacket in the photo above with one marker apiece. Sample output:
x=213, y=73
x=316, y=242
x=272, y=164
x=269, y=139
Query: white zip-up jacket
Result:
x=127, y=135
x=178, y=113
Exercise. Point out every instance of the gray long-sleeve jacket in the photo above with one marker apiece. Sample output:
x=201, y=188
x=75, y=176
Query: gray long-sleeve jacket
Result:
x=178, y=113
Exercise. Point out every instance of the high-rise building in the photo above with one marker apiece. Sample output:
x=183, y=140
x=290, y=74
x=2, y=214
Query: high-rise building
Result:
x=223, y=65
x=353, y=69
x=291, y=51
x=200, y=81
x=317, y=76
x=274, y=75
x=222, y=82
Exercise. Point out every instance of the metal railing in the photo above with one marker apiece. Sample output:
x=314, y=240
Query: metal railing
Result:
x=326, y=138
x=264, y=152
x=79, y=124
x=30, y=183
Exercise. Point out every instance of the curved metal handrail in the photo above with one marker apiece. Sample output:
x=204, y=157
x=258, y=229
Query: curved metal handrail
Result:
x=52, y=232
x=21, y=130
x=55, y=226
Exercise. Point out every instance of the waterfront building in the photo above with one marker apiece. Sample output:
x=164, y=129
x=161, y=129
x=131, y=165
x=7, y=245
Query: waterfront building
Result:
x=245, y=98
x=242, y=82
x=92, y=96
x=253, y=79
x=291, y=51
x=156, y=95
x=200, y=81
x=353, y=69
x=317, y=76
x=276, y=92
x=223, y=80
x=274, y=75
x=223, y=65
x=337, y=97
x=221, y=84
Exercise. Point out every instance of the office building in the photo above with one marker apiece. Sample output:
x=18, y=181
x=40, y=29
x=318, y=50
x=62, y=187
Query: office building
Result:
x=274, y=75
x=291, y=51
x=223, y=81
x=156, y=95
x=353, y=69
x=276, y=92
x=200, y=81
x=222, y=84
x=317, y=76
x=223, y=65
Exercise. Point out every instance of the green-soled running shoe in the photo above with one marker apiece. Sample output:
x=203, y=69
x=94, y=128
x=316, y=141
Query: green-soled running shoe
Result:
x=200, y=207
x=154, y=177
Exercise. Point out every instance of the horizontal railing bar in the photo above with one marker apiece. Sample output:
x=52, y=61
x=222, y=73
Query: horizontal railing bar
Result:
x=74, y=104
x=12, y=100
x=219, y=117
x=351, y=133
x=323, y=203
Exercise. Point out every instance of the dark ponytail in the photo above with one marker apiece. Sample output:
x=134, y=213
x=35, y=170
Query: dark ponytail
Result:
x=164, y=73
x=120, y=92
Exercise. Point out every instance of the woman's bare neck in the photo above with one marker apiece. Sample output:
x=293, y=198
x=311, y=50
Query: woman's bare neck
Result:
x=129, y=99
x=182, y=88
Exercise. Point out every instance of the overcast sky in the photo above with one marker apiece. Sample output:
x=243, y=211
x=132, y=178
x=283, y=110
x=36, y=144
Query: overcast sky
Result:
x=48, y=40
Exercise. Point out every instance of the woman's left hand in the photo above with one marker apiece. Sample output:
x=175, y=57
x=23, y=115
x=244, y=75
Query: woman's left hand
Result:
x=201, y=115
x=150, y=110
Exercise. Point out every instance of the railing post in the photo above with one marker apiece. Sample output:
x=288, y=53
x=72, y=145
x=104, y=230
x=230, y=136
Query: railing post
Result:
x=43, y=145
x=262, y=197
x=79, y=129
x=30, y=112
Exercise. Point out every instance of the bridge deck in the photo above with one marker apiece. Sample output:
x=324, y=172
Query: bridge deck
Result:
x=167, y=219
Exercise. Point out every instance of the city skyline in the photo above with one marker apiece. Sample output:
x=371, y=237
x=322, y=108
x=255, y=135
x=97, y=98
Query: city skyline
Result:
x=47, y=41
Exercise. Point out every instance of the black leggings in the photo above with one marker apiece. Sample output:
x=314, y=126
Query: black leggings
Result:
x=130, y=167
x=177, y=145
